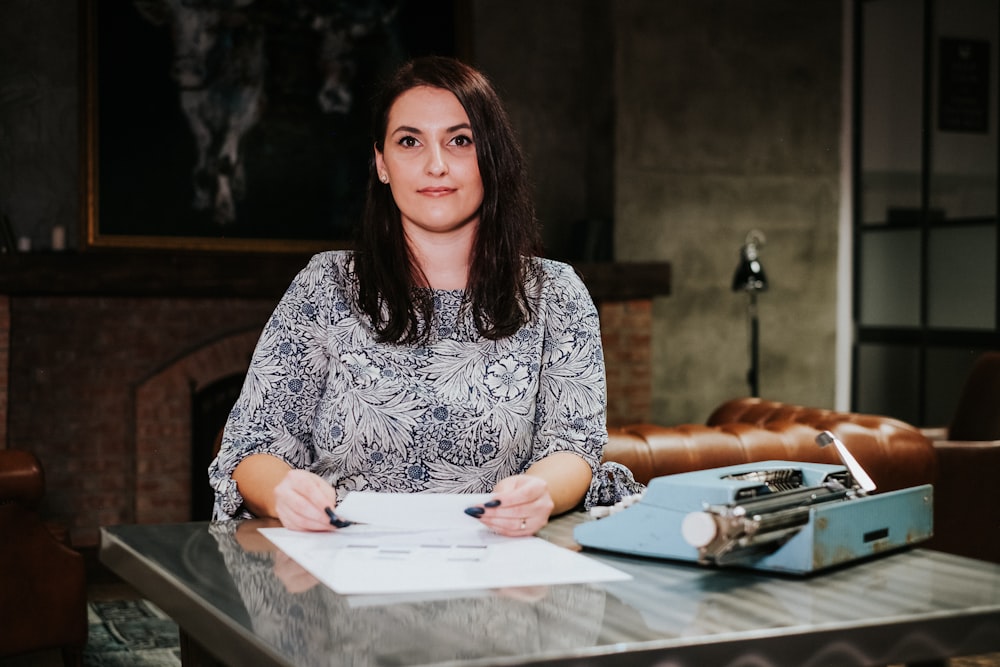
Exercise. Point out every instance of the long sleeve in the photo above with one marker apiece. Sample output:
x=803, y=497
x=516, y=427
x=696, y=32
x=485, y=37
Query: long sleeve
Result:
x=572, y=401
x=572, y=396
x=284, y=383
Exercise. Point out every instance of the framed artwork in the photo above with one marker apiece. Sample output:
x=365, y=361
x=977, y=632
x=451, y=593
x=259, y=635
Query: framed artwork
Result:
x=964, y=85
x=238, y=124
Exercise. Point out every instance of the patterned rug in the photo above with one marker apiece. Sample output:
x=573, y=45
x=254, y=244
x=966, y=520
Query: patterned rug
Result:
x=130, y=633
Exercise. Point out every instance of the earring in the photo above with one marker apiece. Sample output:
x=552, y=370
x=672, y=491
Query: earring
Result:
x=384, y=178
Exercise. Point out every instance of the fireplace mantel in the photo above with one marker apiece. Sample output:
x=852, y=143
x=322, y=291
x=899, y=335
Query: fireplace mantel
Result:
x=243, y=275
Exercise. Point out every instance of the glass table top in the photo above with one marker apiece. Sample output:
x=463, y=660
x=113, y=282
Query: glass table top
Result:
x=232, y=592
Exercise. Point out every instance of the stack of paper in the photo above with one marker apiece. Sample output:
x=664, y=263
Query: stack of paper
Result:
x=407, y=543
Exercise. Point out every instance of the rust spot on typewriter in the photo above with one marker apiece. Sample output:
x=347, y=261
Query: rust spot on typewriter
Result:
x=822, y=560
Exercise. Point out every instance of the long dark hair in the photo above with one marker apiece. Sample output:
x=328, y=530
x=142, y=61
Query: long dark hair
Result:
x=507, y=233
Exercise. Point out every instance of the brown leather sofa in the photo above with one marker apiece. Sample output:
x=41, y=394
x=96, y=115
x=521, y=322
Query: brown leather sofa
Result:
x=43, y=593
x=895, y=454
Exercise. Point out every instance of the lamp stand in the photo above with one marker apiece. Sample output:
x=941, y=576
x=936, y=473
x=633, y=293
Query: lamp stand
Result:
x=754, y=326
x=750, y=278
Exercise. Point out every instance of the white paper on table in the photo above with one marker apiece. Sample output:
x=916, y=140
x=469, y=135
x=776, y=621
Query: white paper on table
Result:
x=365, y=560
x=412, y=511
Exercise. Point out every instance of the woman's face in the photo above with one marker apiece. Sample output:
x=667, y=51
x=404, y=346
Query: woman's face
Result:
x=430, y=162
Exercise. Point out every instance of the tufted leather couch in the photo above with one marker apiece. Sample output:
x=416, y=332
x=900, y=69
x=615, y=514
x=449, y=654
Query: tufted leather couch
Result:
x=895, y=454
x=43, y=596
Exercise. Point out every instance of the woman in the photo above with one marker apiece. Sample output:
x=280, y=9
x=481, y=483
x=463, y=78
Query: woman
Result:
x=442, y=354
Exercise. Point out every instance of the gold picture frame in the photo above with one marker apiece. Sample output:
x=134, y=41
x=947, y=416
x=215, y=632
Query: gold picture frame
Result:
x=236, y=124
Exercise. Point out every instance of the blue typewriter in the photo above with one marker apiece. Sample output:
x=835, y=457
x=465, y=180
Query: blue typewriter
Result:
x=779, y=516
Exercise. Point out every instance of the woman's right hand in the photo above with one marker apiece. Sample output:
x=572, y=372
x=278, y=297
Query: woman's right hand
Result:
x=301, y=500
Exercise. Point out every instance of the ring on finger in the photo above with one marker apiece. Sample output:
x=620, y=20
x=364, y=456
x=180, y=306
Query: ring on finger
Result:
x=524, y=522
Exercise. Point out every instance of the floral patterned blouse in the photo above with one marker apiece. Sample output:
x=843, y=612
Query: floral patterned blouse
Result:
x=455, y=414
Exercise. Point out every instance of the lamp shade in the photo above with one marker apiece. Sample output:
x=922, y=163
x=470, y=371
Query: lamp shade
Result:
x=749, y=275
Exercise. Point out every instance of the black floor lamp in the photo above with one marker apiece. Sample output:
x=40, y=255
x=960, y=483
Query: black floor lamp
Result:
x=750, y=278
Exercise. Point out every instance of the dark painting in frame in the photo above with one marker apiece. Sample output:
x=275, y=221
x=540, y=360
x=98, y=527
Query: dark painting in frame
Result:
x=277, y=91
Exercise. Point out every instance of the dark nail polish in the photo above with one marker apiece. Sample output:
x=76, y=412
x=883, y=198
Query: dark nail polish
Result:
x=335, y=521
x=476, y=512
x=492, y=503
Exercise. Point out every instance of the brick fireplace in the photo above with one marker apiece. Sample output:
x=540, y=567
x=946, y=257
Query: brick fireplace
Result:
x=102, y=354
x=164, y=420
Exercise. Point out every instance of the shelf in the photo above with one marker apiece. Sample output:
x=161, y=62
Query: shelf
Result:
x=242, y=275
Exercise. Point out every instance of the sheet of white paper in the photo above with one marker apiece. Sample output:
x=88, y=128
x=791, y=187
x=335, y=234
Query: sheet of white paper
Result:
x=409, y=511
x=365, y=560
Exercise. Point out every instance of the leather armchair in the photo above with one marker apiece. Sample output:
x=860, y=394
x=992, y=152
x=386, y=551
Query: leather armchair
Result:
x=43, y=603
x=969, y=463
x=895, y=454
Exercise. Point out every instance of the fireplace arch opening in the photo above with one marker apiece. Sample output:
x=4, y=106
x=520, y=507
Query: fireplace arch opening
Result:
x=210, y=406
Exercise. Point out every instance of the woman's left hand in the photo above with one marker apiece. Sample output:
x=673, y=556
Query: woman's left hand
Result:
x=523, y=509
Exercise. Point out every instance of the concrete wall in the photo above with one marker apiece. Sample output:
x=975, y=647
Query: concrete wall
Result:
x=39, y=118
x=552, y=61
x=728, y=119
